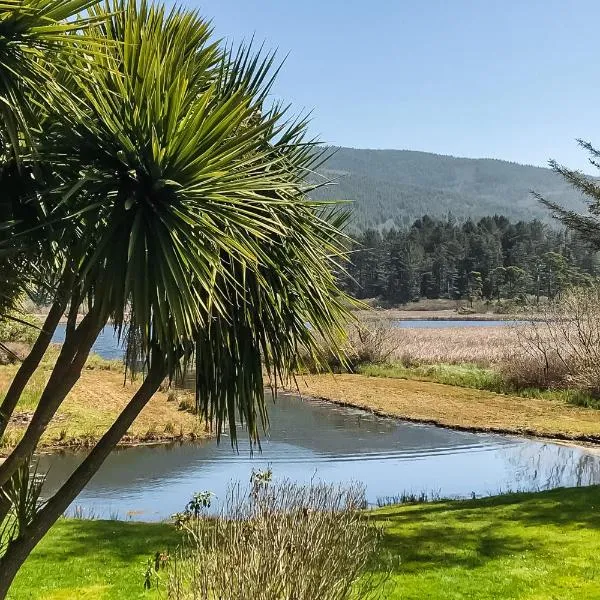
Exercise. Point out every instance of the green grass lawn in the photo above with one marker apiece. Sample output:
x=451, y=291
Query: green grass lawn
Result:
x=90, y=560
x=527, y=546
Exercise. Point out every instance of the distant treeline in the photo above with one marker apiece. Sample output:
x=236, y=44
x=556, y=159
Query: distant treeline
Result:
x=488, y=259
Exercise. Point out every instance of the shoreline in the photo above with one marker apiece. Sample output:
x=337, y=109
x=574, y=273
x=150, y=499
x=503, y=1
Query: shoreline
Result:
x=128, y=442
x=76, y=445
x=457, y=408
x=399, y=314
x=587, y=442
x=92, y=405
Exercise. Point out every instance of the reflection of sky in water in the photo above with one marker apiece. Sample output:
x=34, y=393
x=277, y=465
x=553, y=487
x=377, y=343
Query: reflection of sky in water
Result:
x=322, y=441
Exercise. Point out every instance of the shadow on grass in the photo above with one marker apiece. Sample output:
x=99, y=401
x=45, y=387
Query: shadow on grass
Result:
x=113, y=540
x=471, y=533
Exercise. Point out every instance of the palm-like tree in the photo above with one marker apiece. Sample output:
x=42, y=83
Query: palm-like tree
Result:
x=172, y=201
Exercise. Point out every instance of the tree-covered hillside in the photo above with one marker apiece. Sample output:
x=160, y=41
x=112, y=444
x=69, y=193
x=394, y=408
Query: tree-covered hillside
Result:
x=393, y=187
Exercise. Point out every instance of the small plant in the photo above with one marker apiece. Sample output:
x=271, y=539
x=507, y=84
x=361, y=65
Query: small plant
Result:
x=200, y=502
x=81, y=513
x=408, y=498
x=170, y=428
x=187, y=404
x=10, y=438
x=260, y=479
x=22, y=496
x=372, y=343
x=150, y=434
x=153, y=569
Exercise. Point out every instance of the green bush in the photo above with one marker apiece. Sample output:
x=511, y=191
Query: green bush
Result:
x=13, y=330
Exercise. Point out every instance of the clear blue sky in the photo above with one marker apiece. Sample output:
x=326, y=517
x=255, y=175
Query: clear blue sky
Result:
x=511, y=79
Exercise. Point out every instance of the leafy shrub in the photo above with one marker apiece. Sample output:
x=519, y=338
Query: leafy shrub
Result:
x=275, y=541
x=373, y=342
x=13, y=330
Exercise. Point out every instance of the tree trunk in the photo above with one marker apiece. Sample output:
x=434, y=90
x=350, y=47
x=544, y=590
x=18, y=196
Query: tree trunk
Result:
x=30, y=364
x=19, y=549
x=65, y=374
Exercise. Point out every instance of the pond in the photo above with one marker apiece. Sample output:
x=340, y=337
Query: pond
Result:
x=317, y=440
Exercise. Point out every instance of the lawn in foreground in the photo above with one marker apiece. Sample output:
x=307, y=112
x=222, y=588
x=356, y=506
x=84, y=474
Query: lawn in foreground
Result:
x=523, y=546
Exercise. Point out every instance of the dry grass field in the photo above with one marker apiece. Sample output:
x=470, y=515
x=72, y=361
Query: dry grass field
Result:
x=483, y=346
x=456, y=407
x=94, y=403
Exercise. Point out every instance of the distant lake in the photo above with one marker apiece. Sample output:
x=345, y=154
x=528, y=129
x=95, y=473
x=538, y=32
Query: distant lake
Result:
x=107, y=345
x=449, y=323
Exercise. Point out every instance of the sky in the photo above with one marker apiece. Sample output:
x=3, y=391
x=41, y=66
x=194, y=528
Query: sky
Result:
x=511, y=79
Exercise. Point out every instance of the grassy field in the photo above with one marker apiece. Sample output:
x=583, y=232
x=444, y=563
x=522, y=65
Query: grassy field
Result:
x=483, y=346
x=517, y=547
x=456, y=407
x=479, y=378
x=91, y=407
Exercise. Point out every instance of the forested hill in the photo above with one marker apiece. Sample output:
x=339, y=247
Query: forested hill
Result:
x=393, y=187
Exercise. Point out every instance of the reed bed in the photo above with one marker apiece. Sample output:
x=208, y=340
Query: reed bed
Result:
x=482, y=346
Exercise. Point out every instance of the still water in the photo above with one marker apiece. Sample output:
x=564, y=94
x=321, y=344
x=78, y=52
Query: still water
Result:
x=444, y=324
x=313, y=439
x=107, y=345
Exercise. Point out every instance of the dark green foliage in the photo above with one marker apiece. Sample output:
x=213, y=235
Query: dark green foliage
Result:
x=587, y=226
x=489, y=259
x=392, y=188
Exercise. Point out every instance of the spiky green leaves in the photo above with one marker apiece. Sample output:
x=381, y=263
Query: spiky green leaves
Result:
x=34, y=40
x=179, y=199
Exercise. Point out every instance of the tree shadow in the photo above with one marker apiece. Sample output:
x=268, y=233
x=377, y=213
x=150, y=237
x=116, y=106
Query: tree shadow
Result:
x=91, y=540
x=471, y=533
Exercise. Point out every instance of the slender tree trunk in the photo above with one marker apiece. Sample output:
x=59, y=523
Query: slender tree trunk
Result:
x=30, y=364
x=65, y=374
x=19, y=549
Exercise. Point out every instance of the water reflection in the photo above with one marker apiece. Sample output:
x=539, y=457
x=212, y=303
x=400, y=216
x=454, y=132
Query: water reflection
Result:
x=547, y=466
x=312, y=439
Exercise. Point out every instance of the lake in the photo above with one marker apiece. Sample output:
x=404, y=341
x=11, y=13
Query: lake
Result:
x=449, y=323
x=315, y=439
x=107, y=345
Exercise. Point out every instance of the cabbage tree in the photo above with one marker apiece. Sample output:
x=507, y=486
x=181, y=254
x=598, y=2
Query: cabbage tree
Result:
x=171, y=201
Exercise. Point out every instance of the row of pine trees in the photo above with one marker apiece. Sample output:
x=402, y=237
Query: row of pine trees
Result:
x=489, y=259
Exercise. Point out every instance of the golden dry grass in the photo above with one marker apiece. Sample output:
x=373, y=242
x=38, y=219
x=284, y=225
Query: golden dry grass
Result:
x=94, y=403
x=456, y=407
x=483, y=346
